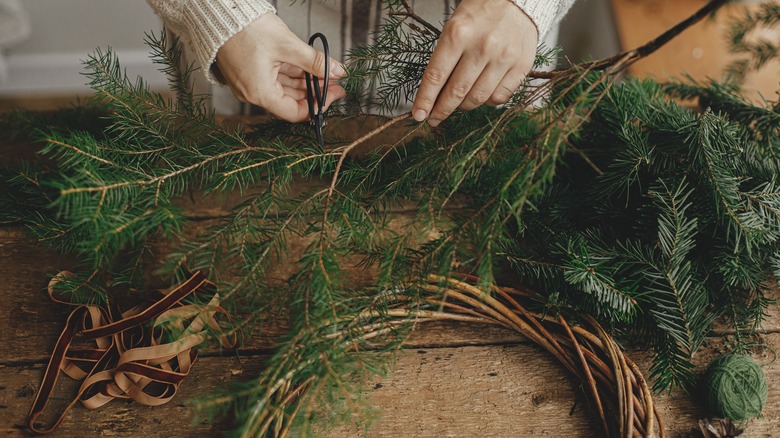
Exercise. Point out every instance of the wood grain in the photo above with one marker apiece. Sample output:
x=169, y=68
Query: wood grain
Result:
x=453, y=380
x=509, y=390
x=516, y=391
x=29, y=318
x=18, y=384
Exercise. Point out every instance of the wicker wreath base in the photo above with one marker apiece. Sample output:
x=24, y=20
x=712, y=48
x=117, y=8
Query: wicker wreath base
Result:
x=614, y=383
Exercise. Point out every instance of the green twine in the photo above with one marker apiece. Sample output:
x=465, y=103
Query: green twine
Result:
x=736, y=387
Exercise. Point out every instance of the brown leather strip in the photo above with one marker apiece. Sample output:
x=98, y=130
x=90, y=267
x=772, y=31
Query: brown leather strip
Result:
x=92, y=354
x=128, y=360
x=151, y=372
x=74, y=371
x=52, y=370
x=176, y=295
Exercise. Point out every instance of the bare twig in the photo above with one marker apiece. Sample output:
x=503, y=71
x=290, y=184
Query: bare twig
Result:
x=629, y=57
x=409, y=12
x=347, y=149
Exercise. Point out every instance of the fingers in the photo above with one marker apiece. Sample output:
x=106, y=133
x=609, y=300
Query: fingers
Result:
x=482, y=55
x=290, y=103
x=335, y=92
x=312, y=60
x=441, y=65
x=295, y=93
x=284, y=106
x=298, y=82
x=458, y=86
x=485, y=86
x=264, y=64
x=290, y=70
x=286, y=97
x=507, y=87
x=300, y=94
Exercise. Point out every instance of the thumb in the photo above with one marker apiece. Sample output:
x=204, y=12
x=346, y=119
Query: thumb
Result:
x=312, y=61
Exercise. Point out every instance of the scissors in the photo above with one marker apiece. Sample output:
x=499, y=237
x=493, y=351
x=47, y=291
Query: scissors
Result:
x=316, y=95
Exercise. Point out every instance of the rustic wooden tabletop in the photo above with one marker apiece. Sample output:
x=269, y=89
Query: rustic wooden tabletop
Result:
x=453, y=379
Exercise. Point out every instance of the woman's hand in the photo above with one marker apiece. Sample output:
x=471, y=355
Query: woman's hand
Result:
x=264, y=64
x=482, y=56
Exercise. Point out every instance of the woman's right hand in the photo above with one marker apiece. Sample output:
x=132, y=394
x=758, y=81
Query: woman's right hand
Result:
x=264, y=65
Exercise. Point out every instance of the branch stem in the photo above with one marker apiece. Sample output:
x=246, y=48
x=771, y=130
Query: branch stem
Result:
x=629, y=57
x=409, y=12
x=347, y=149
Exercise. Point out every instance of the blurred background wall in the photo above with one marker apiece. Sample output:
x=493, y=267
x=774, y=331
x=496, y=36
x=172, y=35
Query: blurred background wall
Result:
x=64, y=32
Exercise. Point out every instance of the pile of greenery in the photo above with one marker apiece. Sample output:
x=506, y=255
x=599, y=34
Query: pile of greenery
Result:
x=610, y=198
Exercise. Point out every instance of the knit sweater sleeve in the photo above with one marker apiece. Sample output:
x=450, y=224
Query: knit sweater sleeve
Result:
x=205, y=25
x=544, y=13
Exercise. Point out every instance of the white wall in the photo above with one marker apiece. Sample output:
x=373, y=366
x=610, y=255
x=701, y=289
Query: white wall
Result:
x=64, y=32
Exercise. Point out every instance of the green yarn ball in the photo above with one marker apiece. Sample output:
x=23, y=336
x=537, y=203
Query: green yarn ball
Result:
x=736, y=387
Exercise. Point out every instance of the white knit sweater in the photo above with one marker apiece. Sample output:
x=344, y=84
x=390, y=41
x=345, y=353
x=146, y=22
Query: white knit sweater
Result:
x=205, y=25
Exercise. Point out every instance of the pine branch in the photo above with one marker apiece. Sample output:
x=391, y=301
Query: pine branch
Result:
x=409, y=12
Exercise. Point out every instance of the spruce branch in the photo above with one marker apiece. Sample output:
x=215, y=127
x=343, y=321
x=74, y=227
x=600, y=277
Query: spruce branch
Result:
x=347, y=149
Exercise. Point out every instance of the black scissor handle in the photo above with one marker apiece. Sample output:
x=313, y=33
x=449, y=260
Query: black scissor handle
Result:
x=316, y=94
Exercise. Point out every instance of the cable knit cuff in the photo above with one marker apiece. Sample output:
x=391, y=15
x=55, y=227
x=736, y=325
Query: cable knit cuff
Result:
x=543, y=13
x=212, y=23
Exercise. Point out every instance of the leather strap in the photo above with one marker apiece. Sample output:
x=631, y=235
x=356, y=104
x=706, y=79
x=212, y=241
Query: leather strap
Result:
x=142, y=354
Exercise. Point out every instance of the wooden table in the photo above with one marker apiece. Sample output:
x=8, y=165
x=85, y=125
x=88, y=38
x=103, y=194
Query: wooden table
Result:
x=451, y=380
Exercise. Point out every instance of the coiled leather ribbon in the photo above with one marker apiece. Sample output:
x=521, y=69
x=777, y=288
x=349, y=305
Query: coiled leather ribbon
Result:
x=142, y=354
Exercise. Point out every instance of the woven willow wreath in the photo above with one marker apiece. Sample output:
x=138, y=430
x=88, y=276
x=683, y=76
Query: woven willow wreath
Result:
x=615, y=385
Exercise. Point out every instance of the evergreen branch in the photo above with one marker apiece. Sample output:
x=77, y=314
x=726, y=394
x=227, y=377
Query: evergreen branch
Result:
x=591, y=274
x=269, y=161
x=682, y=304
x=675, y=230
x=79, y=151
x=179, y=77
x=758, y=51
x=762, y=121
x=164, y=177
x=610, y=200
